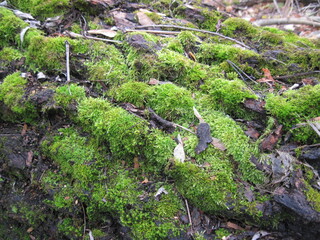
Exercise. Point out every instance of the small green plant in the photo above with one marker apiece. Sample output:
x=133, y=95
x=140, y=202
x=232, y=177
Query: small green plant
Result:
x=69, y=94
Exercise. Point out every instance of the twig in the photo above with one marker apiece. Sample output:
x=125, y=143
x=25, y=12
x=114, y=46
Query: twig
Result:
x=84, y=221
x=188, y=210
x=76, y=35
x=296, y=75
x=240, y=72
x=277, y=6
x=153, y=31
x=196, y=30
x=184, y=128
x=284, y=21
x=68, y=60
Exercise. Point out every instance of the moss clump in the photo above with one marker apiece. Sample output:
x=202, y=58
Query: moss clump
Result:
x=47, y=53
x=43, y=9
x=10, y=27
x=8, y=54
x=123, y=131
x=210, y=54
x=188, y=40
x=238, y=27
x=107, y=64
x=295, y=106
x=171, y=102
x=12, y=92
x=227, y=95
x=237, y=144
x=69, y=94
x=133, y=92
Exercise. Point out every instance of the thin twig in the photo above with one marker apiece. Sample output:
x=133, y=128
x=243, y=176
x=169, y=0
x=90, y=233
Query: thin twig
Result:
x=240, y=72
x=297, y=75
x=188, y=211
x=284, y=21
x=153, y=31
x=184, y=128
x=277, y=6
x=84, y=221
x=76, y=35
x=68, y=60
x=196, y=30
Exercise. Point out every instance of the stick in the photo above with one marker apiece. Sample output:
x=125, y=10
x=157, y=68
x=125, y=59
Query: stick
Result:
x=68, y=60
x=284, y=21
x=189, y=215
x=296, y=75
x=154, y=31
x=76, y=35
x=196, y=30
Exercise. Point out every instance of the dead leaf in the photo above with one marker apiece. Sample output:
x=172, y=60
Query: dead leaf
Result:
x=144, y=20
x=153, y=81
x=271, y=140
x=197, y=114
x=259, y=235
x=253, y=133
x=218, y=144
x=213, y=178
x=160, y=191
x=105, y=32
x=204, y=136
x=255, y=105
x=24, y=129
x=30, y=229
x=234, y=226
x=178, y=152
x=145, y=181
x=66, y=198
x=29, y=159
x=136, y=163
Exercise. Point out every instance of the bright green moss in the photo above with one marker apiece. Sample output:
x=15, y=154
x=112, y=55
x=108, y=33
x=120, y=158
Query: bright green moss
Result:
x=42, y=8
x=123, y=131
x=175, y=45
x=10, y=27
x=211, y=20
x=238, y=27
x=237, y=144
x=133, y=92
x=67, y=228
x=227, y=95
x=47, y=53
x=187, y=39
x=171, y=102
x=8, y=54
x=12, y=92
x=107, y=64
x=69, y=94
x=210, y=53
x=295, y=106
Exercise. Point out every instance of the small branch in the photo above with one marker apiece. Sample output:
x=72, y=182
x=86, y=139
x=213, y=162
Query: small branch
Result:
x=297, y=75
x=277, y=6
x=68, y=60
x=284, y=21
x=196, y=30
x=154, y=31
x=188, y=210
x=240, y=72
x=76, y=35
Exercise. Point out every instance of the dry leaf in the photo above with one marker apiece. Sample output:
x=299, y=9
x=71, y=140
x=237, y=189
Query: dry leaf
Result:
x=234, y=226
x=30, y=229
x=104, y=32
x=136, y=163
x=145, y=181
x=178, y=152
x=144, y=20
x=24, y=129
x=218, y=144
x=153, y=81
x=29, y=159
x=197, y=114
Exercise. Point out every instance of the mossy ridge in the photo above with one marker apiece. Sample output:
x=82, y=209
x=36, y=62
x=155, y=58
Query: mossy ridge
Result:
x=101, y=190
x=10, y=27
x=12, y=93
x=296, y=106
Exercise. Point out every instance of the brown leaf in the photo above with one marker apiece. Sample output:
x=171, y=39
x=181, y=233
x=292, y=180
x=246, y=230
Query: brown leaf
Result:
x=255, y=105
x=271, y=140
x=145, y=181
x=153, y=81
x=234, y=226
x=144, y=20
x=105, y=32
x=29, y=159
x=253, y=133
x=136, y=163
x=30, y=229
x=24, y=129
x=267, y=74
x=218, y=144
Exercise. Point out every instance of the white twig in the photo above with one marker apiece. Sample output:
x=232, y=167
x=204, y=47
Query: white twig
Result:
x=284, y=21
x=188, y=210
x=68, y=60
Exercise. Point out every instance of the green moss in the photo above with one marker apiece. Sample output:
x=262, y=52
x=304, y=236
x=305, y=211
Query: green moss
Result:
x=68, y=94
x=187, y=39
x=42, y=8
x=227, y=95
x=313, y=196
x=221, y=233
x=133, y=92
x=155, y=17
x=123, y=131
x=47, y=53
x=211, y=19
x=238, y=27
x=171, y=102
x=10, y=27
x=210, y=53
x=175, y=45
x=67, y=227
x=9, y=54
x=12, y=92
x=295, y=106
